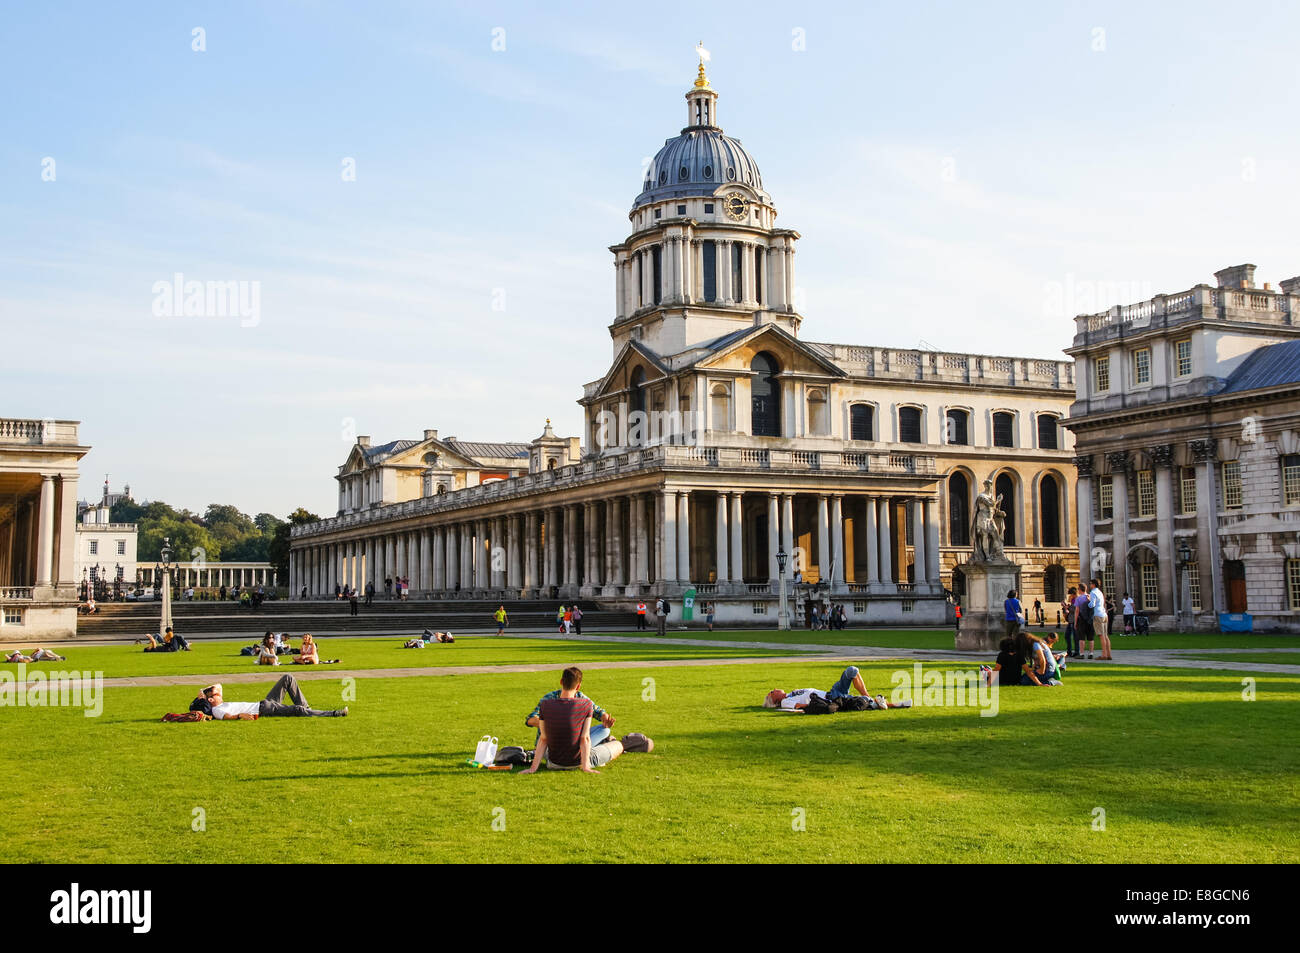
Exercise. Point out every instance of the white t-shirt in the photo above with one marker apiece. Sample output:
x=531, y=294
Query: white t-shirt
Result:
x=801, y=696
x=1128, y=606
x=235, y=708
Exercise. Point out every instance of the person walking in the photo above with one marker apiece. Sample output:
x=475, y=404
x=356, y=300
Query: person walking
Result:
x=502, y=619
x=576, y=617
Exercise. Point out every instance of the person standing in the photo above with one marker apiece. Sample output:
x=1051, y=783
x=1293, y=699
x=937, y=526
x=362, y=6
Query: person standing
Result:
x=1100, y=619
x=370, y=593
x=304, y=593
x=388, y=587
x=662, y=608
x=1082, y=622
x=502, y=619
x=352, y=600
x=708, y=613
x=1039, y=617
x=1067, y=607
x=640, y=615
x=957, y=611
x=1129, y=612
x=1011, y=621
x=576, y=618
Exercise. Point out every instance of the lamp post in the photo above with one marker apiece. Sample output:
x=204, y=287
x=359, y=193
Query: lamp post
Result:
x=782, y=616
x=166, y=586
x=1184, y=585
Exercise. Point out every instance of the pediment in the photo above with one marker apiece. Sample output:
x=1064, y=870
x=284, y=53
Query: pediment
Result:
x=792, y=355
x=633, y=357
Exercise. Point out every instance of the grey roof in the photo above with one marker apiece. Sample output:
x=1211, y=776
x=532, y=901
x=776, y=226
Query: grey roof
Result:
x=696, y=163
x=385, y=449
x=481, y=449
x=1269, y=366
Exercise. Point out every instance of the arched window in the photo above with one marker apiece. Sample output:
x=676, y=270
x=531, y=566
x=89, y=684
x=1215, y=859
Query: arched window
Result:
x=431, y=458
x=909, y=424
x=1047, y=432
x=1049, y=502
x=766, y=393
x=442, y=488
x=720, y=407
x=1006, y=487
x=862, y=420
x=637, y=387
x=818, y=418
x=958, y=510
x=1004, y=429
x=550, y=464
x=957, y=428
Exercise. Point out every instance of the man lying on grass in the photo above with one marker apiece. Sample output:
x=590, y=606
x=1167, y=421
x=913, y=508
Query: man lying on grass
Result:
x=850, y=678
x=40, y=655
x=211, y=703
x=563, y=738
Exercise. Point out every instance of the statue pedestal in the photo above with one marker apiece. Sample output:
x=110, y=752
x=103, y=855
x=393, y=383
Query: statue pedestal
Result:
x=982, y=612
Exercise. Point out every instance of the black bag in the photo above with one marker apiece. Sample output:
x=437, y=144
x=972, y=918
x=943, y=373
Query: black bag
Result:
x=668, y=607
x=817, y=705
x=856, y=703
x=514, y=755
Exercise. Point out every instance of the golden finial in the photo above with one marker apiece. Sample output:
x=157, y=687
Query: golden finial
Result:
x=701, y=81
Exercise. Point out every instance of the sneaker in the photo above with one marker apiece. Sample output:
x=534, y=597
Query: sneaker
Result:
x=637, y=743
x=343, y=712
x=881, y=702
x=905, y=703
x=1089, y=655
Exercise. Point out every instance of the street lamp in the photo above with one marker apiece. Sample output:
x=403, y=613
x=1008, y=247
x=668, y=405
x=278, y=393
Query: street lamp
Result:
x=1184, y=584
x=166, y=594
x=783, y=617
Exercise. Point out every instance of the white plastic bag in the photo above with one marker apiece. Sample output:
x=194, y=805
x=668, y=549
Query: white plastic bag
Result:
x=486, y=752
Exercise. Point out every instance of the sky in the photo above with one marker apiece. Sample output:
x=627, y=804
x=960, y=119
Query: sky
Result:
x=416, y=200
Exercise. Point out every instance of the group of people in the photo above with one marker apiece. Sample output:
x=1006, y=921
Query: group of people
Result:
x=428, y=637
x=569, y=619
x=1087, y=619
x=170, y=642
x=40, y=655
x=1026, y=659
x=273, y=645
x=831, y=617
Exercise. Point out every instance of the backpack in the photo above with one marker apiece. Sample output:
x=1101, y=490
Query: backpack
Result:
x=817, y=705
x=856, y=703
x=668, y=607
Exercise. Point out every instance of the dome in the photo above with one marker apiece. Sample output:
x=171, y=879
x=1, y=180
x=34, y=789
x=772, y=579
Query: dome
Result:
x=696, y=163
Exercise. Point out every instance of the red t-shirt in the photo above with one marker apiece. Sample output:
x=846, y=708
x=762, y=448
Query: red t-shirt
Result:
x=566, y=720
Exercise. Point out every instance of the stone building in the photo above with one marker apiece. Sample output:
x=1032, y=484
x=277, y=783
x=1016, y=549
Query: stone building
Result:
x=719, y=436
x=38, y=514
x=1187, y=422
x=105, y=550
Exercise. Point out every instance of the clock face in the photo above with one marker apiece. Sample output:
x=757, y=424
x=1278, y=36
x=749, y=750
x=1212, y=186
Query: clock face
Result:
x=736, y=206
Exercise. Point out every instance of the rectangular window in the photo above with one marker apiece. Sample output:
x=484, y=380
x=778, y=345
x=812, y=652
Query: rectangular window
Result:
x=1291, y=479
x=708, y=208
x=1187, y=491
x=1003, y=430
x=1108, y=582
x=758, y=275
x=121, y=547
x=710, y=271
x=1183, y=358
x=681, y=210
x=659, y=213
x=1232, y=485
x=1142, y=366
x=1102, y=368
x=1194, y=585
x=910, y=509
x=657, y=278
x=1150, y=587
x=1146, y=493
x=94, y=547
x=859, y=607
x=1105, y=498
x=760, y=608
x=1293, y=582
x=13, y=616
x=1047, y=432
x=737, y=271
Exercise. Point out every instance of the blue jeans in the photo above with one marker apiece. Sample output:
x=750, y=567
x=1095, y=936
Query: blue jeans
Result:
x=841, y=688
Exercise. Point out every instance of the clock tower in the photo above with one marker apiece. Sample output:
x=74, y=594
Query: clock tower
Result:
x=705, y=257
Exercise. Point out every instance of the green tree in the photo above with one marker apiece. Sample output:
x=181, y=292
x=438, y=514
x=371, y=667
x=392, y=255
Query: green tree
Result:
x=278, y=550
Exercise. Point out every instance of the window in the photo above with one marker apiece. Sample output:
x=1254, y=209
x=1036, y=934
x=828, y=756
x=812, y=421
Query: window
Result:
x=708, y=208
x=958, y=510
x=957, y=427
x=759, y=608
x=1232, y=485
x=1150, y=587
x=1003, y=429
x=862, y=418
x=1293, y=582
x=720, y=407
x=818, y=418
x=1050, y=505
x=766, y=397
x=909, y=531
x=1102, y=373
x=1291, y=479
x=656, y=256
x=737, y=271
x=681, y=210
x=1183, y=358
x=758, y=275
x=1142, y=366
x=1007, y=489
x=1187, y=491
x=1194, y=585
x=659, y=213
x=710, y=268
x=94, y=547
x=1047, y=432
x=13, y=616
x=1105, y=497
x=1108, y=582
x=121, y=547
x=1146, y=493
x=909, y=425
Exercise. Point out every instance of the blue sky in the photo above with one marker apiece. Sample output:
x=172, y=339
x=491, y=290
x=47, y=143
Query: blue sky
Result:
x=968, y=176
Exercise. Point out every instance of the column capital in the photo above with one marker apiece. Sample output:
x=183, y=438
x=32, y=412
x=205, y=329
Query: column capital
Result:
x=1162, y=455
x=1118, y=461
x=1083, y=465
x=1203, y=451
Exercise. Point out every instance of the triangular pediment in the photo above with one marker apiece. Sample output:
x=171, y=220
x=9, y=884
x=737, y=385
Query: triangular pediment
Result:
x=633, y=357
x=736, y=352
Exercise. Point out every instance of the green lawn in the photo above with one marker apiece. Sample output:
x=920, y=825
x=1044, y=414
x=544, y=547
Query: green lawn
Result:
x=1185, y=770
x=1264, y=658
x=118, y=661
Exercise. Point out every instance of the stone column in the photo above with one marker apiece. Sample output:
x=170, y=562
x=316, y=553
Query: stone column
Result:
x=1205, y=453
x=439, y=558
x=614, y=541
x=919, y=531
x=737, y=573
x=837, y=540
x=641, y=574
x=684, y=537
x=403, y=557
x=747, y=273
x=773, y=537
x=787, y=526
x=1162, y=458
x=1119, y=524
x=426, y=561
x=571, y=546
x=452, y=556
x=482, y=563
x=390, y=557
x=823, y=538
x=666, y=505
x=530, y=552
x=45, y=533
x=496, y=553
x=884, y=541
x=591, y=571
x=934, y=573
x=1083, y=513
x=66, y=531
x=723, y=565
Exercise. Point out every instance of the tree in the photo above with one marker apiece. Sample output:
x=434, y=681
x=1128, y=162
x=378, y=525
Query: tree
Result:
x=278, y=550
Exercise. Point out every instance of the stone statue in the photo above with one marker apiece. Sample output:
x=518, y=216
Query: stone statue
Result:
x=990, y=526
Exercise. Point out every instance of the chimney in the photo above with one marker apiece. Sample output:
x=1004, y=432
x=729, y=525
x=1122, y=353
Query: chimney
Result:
x=1238, y=276
x=1290, y=286
x=363, y=442
x=431, y=435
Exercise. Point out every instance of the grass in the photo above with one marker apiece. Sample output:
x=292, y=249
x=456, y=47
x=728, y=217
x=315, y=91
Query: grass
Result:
x=1264, y=658
x=221, y=658
x=1185, y=770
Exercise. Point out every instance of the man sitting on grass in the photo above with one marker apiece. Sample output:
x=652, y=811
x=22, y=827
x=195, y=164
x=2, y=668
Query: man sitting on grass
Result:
x=604, y=721
x=211, y=702
x=850, y=678
x=563, y=738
